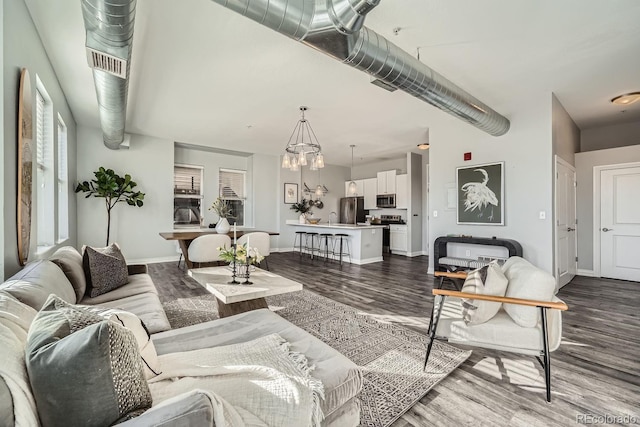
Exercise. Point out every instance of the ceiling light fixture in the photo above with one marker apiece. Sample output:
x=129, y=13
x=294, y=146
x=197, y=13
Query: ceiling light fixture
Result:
x=626, y=99
x=353, y=187
x=305, y=142
x=423, y=146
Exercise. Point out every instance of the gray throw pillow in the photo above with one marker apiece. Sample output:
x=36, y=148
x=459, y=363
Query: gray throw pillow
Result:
x=83, y=370
x=70, y=262
x=105, y=269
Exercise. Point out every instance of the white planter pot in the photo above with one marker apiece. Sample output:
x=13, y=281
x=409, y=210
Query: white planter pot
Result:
x=302, y=219
x=223, y=227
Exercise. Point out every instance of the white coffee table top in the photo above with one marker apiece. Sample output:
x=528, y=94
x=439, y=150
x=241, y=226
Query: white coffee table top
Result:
x=265, y=284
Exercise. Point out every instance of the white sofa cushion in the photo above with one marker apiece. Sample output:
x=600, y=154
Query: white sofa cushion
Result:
x=528, y=282
x=488, y=280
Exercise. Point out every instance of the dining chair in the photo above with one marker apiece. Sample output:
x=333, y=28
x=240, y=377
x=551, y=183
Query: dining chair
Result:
x=259, y=240
x=205, y=248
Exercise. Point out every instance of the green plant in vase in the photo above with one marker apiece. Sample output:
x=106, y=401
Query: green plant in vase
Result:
x=304, y=208
x=243, y=256
x=223, y=209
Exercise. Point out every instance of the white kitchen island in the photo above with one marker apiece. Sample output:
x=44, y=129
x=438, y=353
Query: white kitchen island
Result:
x=365, y=241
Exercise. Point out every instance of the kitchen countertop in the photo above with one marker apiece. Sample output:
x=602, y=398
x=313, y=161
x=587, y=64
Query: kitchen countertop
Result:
x=341, y=226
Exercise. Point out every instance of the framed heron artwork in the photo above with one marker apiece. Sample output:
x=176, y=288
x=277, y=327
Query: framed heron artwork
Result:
x=481, y=194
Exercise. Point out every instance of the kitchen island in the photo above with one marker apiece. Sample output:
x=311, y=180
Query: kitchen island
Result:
x=365, y=241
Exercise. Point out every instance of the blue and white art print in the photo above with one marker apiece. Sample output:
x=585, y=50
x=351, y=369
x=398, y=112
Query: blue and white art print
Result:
x=481, y=194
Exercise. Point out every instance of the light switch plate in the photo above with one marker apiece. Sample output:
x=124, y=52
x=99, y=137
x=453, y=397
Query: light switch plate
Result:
x=543, y=215
x=435, y=214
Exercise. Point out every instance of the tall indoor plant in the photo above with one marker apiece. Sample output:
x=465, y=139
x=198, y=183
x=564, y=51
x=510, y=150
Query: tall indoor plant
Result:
x=114, y=189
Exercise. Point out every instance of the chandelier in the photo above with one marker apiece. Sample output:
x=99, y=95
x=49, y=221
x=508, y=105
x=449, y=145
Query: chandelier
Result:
x=305, y=143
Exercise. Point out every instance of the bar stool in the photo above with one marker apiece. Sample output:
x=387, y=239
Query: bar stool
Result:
x=324, y=244
x=342, y=241
x=312, y=248
x=299, y=238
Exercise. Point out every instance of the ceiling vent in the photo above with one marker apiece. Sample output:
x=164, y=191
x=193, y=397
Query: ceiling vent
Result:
x=384, y=85
x=107, y=63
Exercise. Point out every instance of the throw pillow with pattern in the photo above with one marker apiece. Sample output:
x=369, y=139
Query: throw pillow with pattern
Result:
x=105, y=269
x=83, y=369
x=488, y=280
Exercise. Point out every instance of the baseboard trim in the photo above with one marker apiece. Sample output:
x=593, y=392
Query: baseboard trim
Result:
x=153, y=260
x=587, y=273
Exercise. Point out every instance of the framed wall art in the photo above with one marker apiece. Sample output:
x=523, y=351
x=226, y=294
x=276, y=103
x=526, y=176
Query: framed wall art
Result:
x=290, y=193
x=481, y=194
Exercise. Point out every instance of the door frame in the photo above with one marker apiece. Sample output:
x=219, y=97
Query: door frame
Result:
x=597, y=170
x=560, y=160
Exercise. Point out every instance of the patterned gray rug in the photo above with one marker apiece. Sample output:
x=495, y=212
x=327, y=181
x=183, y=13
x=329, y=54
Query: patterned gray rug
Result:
x=390, y=356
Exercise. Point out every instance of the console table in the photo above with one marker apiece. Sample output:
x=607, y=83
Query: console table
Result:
x=440, y=247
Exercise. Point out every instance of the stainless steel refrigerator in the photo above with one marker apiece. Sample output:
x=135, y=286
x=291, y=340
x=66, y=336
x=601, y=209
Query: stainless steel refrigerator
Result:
x=352, y=210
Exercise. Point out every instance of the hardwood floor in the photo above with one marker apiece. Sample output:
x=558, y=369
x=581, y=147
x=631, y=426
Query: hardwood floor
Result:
x=595, y=372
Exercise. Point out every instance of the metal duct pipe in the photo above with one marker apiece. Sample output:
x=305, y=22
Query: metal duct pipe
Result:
x=335, y=28
x=109, y=27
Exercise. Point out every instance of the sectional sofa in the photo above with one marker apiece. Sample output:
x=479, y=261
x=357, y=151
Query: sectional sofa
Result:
x=26, y=292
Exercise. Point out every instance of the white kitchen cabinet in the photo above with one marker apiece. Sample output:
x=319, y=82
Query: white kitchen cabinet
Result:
x=398, y=238
x=359, y=188
x=402, y=192
x=370, y=193
x=387, y=182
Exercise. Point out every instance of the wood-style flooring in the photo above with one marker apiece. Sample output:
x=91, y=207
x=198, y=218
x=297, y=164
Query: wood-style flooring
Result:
x=595, y=373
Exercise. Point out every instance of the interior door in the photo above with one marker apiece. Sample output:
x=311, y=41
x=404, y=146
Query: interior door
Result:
x=620, y=223
x=566, y=261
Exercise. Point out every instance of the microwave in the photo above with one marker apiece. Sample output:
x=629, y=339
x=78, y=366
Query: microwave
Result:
x=386, y=201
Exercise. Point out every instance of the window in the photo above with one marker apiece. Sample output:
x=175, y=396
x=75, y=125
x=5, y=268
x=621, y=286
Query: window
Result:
x=63, y=183
x=233, y=190
x=187, y=195
x=44, y=167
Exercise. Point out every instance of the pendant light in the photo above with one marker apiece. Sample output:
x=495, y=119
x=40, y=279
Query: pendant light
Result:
x=353, y=187
x=302, y=142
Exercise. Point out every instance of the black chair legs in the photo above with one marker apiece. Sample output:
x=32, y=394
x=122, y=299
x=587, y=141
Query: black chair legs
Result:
x=433, y=325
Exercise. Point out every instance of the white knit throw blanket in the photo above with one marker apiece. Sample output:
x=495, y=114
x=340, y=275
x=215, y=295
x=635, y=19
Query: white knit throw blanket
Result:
x=256, y=383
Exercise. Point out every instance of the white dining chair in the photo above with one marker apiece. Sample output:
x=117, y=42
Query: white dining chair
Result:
x=205, y=248
x=259, y=240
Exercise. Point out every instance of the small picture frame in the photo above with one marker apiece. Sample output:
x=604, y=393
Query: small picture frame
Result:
x=290, y=193
x=481, y=194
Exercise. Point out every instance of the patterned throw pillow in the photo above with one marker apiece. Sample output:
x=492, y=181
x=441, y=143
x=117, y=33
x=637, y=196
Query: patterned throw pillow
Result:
x=105, y=269
x=488, y=280
x=83, y=369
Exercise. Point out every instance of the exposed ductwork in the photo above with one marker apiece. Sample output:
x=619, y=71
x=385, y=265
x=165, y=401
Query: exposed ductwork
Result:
x=335, y=27
x=109, y=27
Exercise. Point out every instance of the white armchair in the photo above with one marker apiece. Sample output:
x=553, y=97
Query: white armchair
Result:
x=536, y=330
x=205, y=248
x=259, y=240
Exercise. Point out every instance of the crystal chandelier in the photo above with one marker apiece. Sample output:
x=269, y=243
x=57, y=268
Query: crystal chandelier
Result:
x=305, y=142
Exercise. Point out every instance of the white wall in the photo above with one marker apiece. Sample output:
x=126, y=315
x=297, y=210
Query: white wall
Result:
x=585, y=162
x=604, y=137
x=149, y=161
x=265, y=194
x=527, y=152
x=22, y=47
x=564, y=132
x=2, y=143
x=370, y=170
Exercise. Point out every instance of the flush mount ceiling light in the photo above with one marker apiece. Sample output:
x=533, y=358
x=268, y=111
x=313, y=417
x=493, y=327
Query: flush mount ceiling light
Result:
x=626, y=99
x=305, y=142
x=423, y=146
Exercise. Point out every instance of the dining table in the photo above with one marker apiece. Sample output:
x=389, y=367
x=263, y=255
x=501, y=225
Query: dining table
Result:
x=184, y=238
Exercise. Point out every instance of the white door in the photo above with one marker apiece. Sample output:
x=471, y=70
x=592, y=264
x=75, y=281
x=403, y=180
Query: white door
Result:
x=566, y=261
x=620, y=223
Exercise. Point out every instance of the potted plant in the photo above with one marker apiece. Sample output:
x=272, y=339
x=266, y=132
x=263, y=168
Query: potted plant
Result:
x=303, y=207
x=114, y=189
x=223, y=209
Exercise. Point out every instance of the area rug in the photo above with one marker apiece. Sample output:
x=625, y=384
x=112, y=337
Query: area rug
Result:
x=391, y=356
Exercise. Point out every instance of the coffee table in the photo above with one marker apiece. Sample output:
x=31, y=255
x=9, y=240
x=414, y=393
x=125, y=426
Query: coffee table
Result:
x=235, y=299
